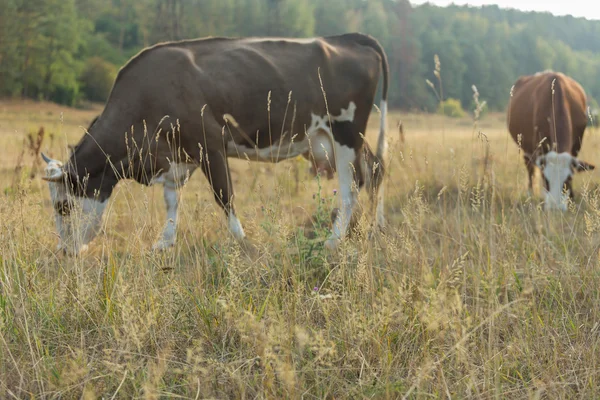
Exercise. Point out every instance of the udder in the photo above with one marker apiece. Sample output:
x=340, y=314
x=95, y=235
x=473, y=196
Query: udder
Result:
x=321, y=155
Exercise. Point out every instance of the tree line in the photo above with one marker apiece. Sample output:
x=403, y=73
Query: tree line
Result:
x=67, y=51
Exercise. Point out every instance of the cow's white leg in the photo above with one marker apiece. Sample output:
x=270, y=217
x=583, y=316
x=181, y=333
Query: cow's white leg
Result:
x=345, y=158
x=172, y=181
x=216, y=169
x=169, y=233
x=235, y=226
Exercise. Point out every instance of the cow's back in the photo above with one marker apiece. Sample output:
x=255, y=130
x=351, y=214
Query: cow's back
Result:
x=262, y=82
x=530, y=112
x=248, y=69
x=199, y=83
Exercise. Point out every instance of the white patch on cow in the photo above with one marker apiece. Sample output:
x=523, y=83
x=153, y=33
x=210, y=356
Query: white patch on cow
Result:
x=169, y=233
x=54, y=170
x=173, y=179
x=84, y=219
x=346, y=115
x=321, y=152
x=317, y=144
x=557, y=168
x=58, y=193
x=177, y=175
x=348, y=194
x=235, y=226
x=322, y=123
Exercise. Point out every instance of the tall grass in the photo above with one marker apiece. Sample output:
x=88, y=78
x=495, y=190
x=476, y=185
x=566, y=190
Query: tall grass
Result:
x=473, y=292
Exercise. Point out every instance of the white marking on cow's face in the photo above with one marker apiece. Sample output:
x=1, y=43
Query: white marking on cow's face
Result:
x=345, y=157
x=556, y=169
x=54, y=170
x=235, y=226
x=80, y=222
x=78, y=219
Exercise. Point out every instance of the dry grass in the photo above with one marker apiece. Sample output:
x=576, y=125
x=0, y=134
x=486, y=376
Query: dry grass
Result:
x=473, y=293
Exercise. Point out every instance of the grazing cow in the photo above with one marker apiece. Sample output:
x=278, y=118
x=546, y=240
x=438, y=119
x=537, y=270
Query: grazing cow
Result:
x=547, y=118
x=179, y=105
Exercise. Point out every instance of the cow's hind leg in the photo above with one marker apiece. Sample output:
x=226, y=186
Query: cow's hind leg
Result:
x=530, y=171
x=172, y=181
x=374, y=173
x=349, y=182
x=216, y=169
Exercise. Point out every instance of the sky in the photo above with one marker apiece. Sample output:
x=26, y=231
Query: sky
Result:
x=576, y=8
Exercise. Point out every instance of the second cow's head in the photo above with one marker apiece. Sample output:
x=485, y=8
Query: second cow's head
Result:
x=558, y=170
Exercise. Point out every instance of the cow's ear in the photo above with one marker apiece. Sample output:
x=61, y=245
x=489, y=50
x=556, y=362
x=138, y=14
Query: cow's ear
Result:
x=581, y=166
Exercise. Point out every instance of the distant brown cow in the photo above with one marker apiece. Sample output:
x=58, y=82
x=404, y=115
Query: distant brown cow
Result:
x=547, y=117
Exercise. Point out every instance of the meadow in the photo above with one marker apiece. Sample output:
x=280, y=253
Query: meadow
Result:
x=473, y=291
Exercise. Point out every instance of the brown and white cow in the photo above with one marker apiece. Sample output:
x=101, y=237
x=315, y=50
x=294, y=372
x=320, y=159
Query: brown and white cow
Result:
x=547, y=117
x=262, y=99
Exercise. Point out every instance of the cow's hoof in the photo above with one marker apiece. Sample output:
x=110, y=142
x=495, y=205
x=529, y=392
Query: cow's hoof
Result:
x=162, y=245
x=69, y=252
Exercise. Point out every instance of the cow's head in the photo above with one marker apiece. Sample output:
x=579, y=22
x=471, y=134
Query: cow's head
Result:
x=78, y=217
x=557, y=171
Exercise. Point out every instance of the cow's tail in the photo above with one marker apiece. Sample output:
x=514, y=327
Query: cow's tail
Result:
x=371, y=42
x=383, y=106
x=379, y=170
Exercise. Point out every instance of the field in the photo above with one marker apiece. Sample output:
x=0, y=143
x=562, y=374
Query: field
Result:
x=472, y=292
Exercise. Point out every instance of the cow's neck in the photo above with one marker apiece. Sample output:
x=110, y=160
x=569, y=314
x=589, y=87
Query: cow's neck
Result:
x=97, y=158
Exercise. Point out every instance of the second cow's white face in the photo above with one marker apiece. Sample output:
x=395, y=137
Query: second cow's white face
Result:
x=557, y=171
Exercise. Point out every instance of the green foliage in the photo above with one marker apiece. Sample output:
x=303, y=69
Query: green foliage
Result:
x=46, y=45
x=97, y=79
x=451, y=108
x=40, y=49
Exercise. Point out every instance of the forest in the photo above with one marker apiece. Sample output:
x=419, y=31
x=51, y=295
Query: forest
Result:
x=68, y=51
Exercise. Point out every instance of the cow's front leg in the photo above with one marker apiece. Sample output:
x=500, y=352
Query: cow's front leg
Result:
x=345, y=165
x=169, y=233
x=173, y=181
